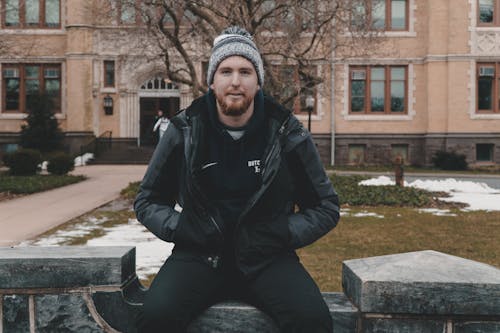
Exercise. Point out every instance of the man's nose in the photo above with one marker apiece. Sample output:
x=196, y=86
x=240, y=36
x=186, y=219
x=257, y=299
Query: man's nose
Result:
x=235, y=80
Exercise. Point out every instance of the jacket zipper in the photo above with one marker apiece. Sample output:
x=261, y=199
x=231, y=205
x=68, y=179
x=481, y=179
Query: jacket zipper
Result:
x=192, y=187
x=257, y=195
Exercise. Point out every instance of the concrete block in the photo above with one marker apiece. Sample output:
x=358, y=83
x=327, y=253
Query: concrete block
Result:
x=65, y=266
x=424, y=282
x=15, y=313
x=477, y=327
x=376, y=325
x=63, y=313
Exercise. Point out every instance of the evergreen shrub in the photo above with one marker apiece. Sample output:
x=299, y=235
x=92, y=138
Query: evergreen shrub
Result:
x=60, y=163
x=23, y=162
x=449, y=160
x=42, y=130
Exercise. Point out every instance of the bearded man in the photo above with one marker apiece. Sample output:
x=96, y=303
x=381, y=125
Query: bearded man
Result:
x=238, y=163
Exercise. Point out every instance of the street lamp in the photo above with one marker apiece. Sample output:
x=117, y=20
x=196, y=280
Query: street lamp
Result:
x=309, y=108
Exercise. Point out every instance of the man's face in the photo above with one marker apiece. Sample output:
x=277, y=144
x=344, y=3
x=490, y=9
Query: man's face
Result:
x=235, y=85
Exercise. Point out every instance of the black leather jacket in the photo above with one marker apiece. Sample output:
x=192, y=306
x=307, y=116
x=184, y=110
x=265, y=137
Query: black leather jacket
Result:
x=271, y=225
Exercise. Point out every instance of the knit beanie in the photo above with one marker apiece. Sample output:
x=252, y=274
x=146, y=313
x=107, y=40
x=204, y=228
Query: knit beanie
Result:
x=235, y=41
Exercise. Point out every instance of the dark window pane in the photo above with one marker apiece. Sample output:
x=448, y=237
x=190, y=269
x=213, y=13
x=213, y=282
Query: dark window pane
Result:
x=109, y=73
x=52, y=15
x=357, y=104
x=485, y=90
x=32, y=72
x=358, y=88
x=52, y=87
x=12, y=12
x=12, y=94
x=486, y=10
x=356, y=154
x=398, y=12
x=484, y=152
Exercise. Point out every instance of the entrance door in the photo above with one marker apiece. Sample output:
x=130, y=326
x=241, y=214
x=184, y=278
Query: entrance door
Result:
x=148, y=114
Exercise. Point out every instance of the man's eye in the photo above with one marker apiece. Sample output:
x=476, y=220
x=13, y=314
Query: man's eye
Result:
x=225, y=72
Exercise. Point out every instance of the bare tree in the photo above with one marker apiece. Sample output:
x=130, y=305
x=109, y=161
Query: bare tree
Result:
x=294, y=36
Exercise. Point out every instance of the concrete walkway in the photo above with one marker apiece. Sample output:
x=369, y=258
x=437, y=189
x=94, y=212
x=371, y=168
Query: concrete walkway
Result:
x=26, y=217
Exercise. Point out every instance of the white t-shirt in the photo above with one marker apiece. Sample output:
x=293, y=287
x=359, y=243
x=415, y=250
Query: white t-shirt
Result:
x=162, y=123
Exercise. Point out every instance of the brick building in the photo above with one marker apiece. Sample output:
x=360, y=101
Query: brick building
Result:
x=432, y=84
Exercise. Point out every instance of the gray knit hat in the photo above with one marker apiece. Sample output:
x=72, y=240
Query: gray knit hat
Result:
x=235, y=41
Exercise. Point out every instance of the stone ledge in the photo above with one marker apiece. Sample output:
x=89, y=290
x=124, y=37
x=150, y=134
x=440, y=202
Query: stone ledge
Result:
x=423, y=283
x=65, y=266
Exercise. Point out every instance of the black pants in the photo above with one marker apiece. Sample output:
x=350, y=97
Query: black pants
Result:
x=186, y=285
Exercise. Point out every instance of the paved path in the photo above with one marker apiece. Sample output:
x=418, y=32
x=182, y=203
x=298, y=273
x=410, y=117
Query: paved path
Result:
x=28, y=216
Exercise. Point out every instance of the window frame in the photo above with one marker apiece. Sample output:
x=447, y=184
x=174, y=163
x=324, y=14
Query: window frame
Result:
x=495, y=86
x=387, y=90
x=22, y=85
x=137, y=19
x=496, y=16
x=105, y=82
x=42, y=24
x=388, y=17
x=491, y=153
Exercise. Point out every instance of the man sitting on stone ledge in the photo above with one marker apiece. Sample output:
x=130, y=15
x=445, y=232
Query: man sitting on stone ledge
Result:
x=238, y=163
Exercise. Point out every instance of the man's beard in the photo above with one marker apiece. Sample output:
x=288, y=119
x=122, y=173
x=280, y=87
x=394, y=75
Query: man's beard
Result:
x=236, y=108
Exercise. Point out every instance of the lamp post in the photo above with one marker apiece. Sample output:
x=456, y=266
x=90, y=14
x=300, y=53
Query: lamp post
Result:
x=309, y=108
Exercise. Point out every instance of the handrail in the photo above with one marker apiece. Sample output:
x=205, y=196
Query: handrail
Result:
x=98, y=145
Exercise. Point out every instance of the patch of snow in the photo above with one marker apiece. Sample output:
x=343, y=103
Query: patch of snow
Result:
x=478, y=196
x=82, y=160
x=368, y=214
x=151, y=252
x=436, y=211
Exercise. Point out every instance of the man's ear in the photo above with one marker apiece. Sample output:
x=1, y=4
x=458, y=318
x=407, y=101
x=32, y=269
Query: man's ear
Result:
x=212, y=86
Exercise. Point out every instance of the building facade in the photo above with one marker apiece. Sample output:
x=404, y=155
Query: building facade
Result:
x=432, y=83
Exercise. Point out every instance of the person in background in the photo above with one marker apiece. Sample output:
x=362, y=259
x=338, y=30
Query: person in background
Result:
x=161, y=124
x=238, y=163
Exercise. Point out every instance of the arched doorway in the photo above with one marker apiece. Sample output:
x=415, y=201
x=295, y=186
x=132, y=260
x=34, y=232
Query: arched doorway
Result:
x=156, y=94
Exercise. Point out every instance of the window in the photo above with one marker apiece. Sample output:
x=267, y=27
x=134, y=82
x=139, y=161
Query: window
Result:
x=401, y=151
x=31, y=13
x=488, y=87
x=484, y=152
x=356, y=154
x=20, y=82
x=378, y=89
x=389, y=15
x=109, y=73
x=127, y=11
x=293, y=86
x=488, y=12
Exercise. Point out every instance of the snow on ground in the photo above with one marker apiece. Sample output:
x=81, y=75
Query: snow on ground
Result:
x=478, y=196
x=367, y=214
x=82, y=160
x=151, y=252
x=436, y=211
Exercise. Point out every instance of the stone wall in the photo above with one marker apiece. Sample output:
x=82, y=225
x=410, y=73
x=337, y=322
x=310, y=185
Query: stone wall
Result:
x=95, y=289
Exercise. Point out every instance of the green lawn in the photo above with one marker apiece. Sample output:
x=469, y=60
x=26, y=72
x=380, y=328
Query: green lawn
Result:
x=31, y=184
x=471, y=235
